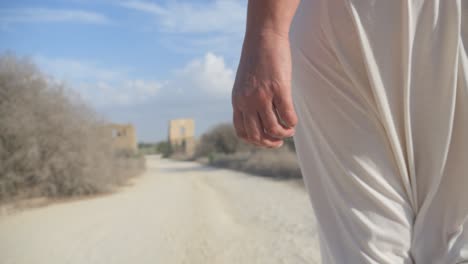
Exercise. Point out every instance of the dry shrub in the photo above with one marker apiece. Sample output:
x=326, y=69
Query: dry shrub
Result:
x=278, y=163
x=224, y=149
x=51, y=143
x=234, y=161
x=220, y=139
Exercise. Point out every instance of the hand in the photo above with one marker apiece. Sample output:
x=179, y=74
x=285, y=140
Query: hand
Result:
x=261, y=98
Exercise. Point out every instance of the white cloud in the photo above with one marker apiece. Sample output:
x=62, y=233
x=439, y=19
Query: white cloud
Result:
x=127, y=92
x=99, y=85
x=35, y=15
x=226, y=16
x=209, y=75
x=143, y=6
x=77, y=70
x=227, y=44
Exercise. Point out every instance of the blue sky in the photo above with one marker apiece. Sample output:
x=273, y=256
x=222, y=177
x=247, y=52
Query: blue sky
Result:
x=135, y=61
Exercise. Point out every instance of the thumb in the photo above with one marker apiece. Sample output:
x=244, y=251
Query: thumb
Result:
x=285, y=109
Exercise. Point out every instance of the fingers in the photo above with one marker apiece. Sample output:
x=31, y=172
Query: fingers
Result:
x=285, y=109
x=264, y=125
x=272, y=125
x=238, y=121
x=263, y=112
x=255, y=132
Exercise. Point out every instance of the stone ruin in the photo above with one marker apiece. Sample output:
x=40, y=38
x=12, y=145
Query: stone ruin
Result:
x=123, y=137
x=182, y=135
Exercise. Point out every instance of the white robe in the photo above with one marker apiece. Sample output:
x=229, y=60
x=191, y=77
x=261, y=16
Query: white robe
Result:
x=381, y=91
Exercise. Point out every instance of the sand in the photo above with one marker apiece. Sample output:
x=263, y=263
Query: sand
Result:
x=176, y=212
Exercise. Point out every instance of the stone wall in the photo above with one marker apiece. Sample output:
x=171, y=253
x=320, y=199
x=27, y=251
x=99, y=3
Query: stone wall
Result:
x=182, y=135
x=124, y=137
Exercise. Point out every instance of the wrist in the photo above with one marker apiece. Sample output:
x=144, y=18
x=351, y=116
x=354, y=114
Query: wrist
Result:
x=263, y=41
x=266, y=34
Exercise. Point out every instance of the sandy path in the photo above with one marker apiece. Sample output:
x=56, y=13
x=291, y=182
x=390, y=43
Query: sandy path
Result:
x=175, y=213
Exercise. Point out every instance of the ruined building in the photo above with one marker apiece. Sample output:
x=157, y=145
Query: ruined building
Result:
x=124, y=137
x=182, y=135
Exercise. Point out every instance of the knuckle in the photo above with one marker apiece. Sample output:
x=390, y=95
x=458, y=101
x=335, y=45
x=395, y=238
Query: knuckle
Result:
x=283, y=102
x=265, y=142
x=264, y=100
x=292, y=120
x=279, y=131
x=274, y=131
x=255, y=137
x=253, y=100
x=268, y=143
x=262, y=96
x=279, y=101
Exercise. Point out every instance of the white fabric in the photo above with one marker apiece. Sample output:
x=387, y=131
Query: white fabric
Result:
x=381, y=91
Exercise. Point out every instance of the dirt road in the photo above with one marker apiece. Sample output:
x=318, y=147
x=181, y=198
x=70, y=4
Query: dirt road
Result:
x=177, y=212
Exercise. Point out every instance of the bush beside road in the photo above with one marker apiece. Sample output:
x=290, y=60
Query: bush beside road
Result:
x=51, y=143
x=220, y=147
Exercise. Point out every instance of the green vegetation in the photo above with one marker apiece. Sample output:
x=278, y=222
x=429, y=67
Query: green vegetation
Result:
x=162, y=147
x=51, y=143
x=147, y=148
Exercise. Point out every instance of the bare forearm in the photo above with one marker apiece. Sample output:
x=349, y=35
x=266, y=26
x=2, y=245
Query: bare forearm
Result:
x=263, y=112
x=270, y=16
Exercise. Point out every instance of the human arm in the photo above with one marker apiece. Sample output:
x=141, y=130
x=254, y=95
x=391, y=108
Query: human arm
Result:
x=263, y=113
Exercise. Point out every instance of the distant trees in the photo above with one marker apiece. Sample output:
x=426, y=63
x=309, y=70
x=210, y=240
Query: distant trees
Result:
x=165, y=148
x=162, y=147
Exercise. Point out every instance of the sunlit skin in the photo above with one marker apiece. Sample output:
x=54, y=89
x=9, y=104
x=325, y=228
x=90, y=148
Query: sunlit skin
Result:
x=263, y=112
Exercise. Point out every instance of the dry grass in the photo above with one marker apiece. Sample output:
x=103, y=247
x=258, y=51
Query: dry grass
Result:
x=280, y=163
x=221, y=148
x=221, y=139
x=51, y=143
